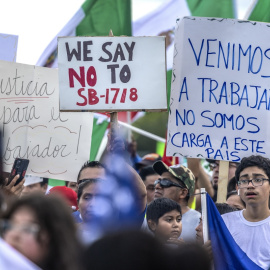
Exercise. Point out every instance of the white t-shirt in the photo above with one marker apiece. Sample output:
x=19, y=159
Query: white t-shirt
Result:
x=252, y=237
x=190, y=220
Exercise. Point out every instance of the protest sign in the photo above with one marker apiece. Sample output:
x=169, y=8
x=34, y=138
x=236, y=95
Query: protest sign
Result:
x=220, y=102
x=32, y=127
x=8, y=47
x=112, y=73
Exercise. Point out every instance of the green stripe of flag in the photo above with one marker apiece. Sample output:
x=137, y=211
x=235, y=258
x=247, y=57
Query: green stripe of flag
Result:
x=261, y=12
x=212, y=8
x=103, y=15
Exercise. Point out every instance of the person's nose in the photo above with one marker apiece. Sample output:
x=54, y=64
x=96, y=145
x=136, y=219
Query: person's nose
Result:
x=216, y=169
x=158, y=186
x=91, y=202
x=175, y=224
x=250, y=185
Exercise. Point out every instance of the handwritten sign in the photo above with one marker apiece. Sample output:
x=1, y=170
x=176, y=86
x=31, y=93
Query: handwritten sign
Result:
x=8, y=47
x=32, y=127
x=220, y=98
x=112, y=73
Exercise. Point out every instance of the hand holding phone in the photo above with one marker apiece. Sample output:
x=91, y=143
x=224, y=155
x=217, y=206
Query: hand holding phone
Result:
x=19, y=168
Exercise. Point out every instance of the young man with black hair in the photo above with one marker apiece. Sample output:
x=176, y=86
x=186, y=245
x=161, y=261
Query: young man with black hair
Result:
x=178, y=183
x=164, y=220
x=91, y=169
x=149, y=176
x=250, y=227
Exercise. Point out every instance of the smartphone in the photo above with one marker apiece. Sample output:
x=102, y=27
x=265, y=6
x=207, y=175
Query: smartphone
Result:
x=19, y=167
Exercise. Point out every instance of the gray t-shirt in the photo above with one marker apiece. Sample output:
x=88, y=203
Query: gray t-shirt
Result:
x=190, y=220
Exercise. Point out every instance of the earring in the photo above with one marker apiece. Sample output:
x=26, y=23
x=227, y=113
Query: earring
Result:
x=238, y=192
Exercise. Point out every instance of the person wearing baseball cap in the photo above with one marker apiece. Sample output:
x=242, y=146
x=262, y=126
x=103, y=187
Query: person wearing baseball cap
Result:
x=68, y=194
x=178, y=183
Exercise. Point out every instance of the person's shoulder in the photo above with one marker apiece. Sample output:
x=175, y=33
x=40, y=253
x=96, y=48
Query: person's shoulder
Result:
x=231, y=215
x=192, y=213
x=195, y=212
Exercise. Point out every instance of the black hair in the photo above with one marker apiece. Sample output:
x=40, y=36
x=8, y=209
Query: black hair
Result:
x=146, y=171
x=86, y=183
x=159, y=207
x=188, y=256
x=224, y=208
x=231, y=185
x=258, y=161
x=234, y=192
x=126, y=250
x=231, y=193
x=91, y=164
x=44, y=181
x=54, y=218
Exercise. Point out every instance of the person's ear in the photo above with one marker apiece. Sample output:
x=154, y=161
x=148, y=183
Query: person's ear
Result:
x=183, y=193
x=44, y=187
x=152, y=225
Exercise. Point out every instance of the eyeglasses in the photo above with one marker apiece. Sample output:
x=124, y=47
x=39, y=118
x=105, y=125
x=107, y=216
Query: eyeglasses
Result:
x=256, y=182
x=166, y=183
x=212, y=166
x=25, y=229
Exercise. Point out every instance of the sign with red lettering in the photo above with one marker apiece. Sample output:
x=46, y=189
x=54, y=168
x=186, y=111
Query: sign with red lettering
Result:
x=31, y=126
x=112, y=73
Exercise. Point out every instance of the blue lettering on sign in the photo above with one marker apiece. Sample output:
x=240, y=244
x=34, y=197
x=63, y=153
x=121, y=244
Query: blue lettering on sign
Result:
x=223, y=155
x=232, y=93
x=222, y=120
x=208, y=52
x=184, y=86
x=197, y=57
x=189, y=117
x=190, y=140
x=251, y=59
x=253, y=146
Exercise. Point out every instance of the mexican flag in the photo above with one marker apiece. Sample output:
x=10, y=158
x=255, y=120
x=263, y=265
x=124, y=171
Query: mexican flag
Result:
x=259, y=11
x=94, y=18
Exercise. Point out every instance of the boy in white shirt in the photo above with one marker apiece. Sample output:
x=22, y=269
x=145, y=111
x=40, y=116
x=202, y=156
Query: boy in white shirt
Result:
x=250, y=227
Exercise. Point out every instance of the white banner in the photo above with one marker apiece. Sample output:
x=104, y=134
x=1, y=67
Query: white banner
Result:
x=8, y=47
x=57, y=144
x=112, y=73
x=220, y=98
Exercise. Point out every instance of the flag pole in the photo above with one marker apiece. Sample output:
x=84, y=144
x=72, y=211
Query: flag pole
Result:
x=204, y=216
x=250, y=9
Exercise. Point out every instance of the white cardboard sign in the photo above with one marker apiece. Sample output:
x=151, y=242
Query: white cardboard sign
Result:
x=8, y=47
x=112, y=73
x=32, y=127
x=220, y=98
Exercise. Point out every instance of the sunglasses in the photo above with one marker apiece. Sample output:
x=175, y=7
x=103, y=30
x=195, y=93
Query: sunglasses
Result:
x=166, y=183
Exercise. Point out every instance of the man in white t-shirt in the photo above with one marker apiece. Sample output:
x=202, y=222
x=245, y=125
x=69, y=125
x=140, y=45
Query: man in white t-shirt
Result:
x=250, y=227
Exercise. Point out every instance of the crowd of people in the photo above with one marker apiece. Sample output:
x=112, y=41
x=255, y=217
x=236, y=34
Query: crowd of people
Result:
x=56, y=228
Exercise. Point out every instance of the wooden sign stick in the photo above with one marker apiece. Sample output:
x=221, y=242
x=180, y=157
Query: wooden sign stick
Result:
x=113, y=115
x=223, y=181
